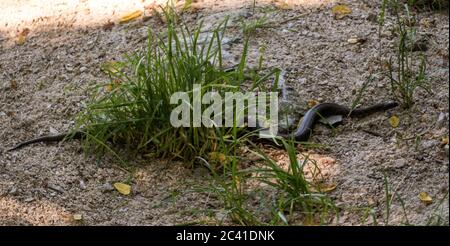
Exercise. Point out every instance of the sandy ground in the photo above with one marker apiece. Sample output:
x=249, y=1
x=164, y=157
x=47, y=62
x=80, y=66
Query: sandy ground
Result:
x=45, y=81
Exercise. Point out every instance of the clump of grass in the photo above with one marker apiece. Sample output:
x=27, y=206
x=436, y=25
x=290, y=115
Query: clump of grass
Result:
x=229, y=189
x=250, y=27
x=293, y=192
x=296, y=192
x=133, y=110
x=430, y=4
x=406, y=71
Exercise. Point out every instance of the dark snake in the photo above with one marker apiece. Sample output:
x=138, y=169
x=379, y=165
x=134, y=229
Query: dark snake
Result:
x=302, y=133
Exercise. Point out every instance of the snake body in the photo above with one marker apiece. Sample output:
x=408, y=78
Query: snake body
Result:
x=302, y=133
x=324, y=110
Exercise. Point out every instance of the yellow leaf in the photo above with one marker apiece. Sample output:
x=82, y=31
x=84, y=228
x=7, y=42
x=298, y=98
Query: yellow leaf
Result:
x=356, y=40
x=77, y=217
x=340, y=11
x=21, y=38
x=324, y=187
x=13, y=84
x=130, y=16
x=282, y=4
x=122, y=188
x=111, y=66
x=312, y=103
x=217, y=156
x=424, y=197
x=109, y=87
x=352, y=40
x=444, y=141
x=328, y=187
x=394, y=121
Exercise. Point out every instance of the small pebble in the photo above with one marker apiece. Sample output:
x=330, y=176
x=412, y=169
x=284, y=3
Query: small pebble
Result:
x=82, y=184
x=107, y=187
x=429, y=144
x=29, y=199
x=13, y=191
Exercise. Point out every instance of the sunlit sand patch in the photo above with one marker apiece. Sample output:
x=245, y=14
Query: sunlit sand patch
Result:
x=318, y=168
x=34, y=213
x=76, y=13
x=17, y=15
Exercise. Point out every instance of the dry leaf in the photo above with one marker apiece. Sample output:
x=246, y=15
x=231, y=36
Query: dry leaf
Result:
x=130, y=16
x=282, y=4
x=394, y=121
x=111, y=66
x=424, y=197
x=109, y=87
x=312, y=103
x=13, y=84
x=444, y=141
x=77, y=217
x=217, y=156
x=340, y=11
x=356, y=40
x=21, y=38
x=122, y=188
x=324, y=187
x=327, y=187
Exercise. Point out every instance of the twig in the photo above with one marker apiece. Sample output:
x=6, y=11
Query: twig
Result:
x=373, y=133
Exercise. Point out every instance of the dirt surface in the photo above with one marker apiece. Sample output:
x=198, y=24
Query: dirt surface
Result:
x=45, y=80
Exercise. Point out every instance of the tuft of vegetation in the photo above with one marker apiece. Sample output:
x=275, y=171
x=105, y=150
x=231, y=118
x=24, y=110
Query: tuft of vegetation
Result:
x=430, y=4
x=407, y=70
x=133, y=110
x=296, y=192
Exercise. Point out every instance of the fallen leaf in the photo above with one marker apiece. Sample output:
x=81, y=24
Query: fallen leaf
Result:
x=424, y=197
x=111, y=66
x=327, y=187
x=21, y=38
x=312, y=103
x=122, y=188
x=282, y=4
x=444, y=141
x=394, y=121
x=425, y=22
x=340, y=11
x=109, y=87
x=356, y=40
x=77, y=217
x=130, y=16
x=217, y=156
x=13, y=84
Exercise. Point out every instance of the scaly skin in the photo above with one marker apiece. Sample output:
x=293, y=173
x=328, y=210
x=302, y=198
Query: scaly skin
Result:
x=302, y=133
